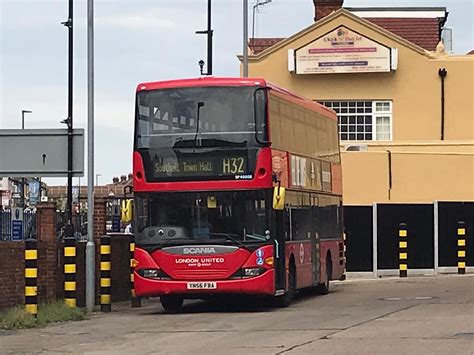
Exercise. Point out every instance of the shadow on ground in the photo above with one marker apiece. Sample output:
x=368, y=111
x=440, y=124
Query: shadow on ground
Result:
x=234, y=304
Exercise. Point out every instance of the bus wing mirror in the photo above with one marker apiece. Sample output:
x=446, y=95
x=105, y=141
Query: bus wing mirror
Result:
x=278, y=198
x=256, y=116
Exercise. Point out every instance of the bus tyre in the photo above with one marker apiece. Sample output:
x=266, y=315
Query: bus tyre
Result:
x=324, y=288
x=285, y=300
x=171, y=304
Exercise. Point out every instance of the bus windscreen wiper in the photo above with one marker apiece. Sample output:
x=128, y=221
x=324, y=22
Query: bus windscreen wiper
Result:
x=200, y=104
x=208, y=143
x=230, y=237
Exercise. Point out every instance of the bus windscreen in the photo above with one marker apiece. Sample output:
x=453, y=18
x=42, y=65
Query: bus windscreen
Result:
x=198, y=132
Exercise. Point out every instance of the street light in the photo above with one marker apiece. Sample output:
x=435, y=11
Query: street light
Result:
x=209, y=32
x=23, y=117
x=246, y=38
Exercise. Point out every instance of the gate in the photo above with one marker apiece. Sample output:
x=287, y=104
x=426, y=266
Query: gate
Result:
x=29, y=225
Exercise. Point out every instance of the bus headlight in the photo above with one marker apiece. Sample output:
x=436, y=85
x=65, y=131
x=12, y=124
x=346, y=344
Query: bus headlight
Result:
x=152, y=273
x=250, y=272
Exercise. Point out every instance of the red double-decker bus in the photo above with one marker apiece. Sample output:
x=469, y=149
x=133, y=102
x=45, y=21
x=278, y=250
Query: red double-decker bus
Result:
x=237, y=186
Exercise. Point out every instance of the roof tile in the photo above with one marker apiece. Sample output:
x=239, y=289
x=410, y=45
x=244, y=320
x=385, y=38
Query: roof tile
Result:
x=424, y=32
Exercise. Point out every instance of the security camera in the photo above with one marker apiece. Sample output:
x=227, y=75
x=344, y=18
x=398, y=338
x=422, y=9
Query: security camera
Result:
x=201, y=65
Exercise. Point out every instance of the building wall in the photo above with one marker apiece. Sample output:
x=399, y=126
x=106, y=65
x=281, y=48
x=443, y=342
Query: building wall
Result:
x=424, y=168
x=420, y=174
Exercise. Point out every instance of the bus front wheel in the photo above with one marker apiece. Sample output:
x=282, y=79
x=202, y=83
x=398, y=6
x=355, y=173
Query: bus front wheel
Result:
x=171, y=304
x=285, y=300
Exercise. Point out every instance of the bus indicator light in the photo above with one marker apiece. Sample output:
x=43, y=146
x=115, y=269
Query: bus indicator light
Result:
x=269, y=261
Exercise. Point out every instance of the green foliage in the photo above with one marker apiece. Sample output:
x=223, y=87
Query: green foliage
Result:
x=18, y=318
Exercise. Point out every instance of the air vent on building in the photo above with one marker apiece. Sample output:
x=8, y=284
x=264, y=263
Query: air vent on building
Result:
x=447, y=38
x=291, y=60
x=355, y=148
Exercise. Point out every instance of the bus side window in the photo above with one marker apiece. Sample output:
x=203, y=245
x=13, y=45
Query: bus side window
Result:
x=287, y=222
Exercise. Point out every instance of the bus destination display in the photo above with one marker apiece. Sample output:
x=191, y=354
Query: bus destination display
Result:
x=203, y=165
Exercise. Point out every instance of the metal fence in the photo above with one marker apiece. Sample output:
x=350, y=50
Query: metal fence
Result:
x=79, y=222
x=29, y=225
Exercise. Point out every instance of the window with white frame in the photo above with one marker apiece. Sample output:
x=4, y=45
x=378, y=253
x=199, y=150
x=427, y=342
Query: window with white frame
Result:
x=363, y=120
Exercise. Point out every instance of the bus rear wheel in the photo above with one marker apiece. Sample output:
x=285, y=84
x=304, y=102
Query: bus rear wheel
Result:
x=323, y=288
x=285, y=300
x=171, y=304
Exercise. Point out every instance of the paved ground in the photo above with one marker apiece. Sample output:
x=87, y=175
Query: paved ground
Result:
x=419, y=315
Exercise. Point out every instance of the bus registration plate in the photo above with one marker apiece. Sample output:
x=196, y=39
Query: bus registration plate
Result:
x=202, y=285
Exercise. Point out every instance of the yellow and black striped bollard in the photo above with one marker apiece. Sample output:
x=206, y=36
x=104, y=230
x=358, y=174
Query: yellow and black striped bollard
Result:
x=31, y=277
x=461, y=248
x=403, y=250
x=344, y=256
x=136, y=301
x=70, y=272
x=105, y=274
x=342, y=249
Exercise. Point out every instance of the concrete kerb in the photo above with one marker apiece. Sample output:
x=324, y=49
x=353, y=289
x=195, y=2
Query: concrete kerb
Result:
x=353, y=277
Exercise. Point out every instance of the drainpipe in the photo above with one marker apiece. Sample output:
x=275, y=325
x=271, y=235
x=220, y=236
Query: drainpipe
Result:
x=389, y=173
x=442, y=72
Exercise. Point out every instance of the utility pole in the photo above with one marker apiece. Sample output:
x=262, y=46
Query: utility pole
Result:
x=90, y=246
x=68, y=121
x=209, y=33
x=246, y=36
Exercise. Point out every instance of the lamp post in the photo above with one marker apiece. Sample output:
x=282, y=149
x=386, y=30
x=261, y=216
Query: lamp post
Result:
x=69, y=120
x=246, y=36
x=90, y=246
x=209, y=33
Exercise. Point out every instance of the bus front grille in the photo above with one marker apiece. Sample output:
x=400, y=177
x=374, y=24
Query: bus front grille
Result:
x=201, y=274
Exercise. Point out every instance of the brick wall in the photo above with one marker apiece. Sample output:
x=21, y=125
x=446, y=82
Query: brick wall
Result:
x=12, y=281
x=51, y=262
x=47, y=271
x=100, y=217
x=12, y=266
x=46, y=222
x=120, y=245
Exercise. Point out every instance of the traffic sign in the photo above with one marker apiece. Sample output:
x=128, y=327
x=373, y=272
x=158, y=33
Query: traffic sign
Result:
x=17, y=223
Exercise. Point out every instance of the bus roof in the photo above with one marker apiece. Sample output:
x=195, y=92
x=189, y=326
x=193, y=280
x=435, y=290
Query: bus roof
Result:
x=236, y=81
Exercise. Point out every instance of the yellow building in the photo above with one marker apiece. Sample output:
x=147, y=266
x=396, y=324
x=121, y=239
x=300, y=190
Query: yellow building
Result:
x=406, y=126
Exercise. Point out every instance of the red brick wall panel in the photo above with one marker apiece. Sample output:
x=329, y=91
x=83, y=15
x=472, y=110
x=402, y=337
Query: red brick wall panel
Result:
x=12, y=280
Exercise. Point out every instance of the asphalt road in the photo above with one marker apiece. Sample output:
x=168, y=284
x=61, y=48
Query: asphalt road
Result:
x=419, y=315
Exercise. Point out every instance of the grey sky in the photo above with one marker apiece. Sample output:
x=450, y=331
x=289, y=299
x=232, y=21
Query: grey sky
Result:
x=139, y=41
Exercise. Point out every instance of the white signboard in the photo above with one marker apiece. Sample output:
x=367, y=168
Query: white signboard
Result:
x=342, y=51
x=40, y=152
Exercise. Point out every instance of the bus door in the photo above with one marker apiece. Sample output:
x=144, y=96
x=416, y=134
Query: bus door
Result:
x=315, y=240
x=279, y=250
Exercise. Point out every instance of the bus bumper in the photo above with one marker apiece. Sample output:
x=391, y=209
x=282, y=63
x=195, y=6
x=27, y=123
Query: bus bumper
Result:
x=260, y=285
